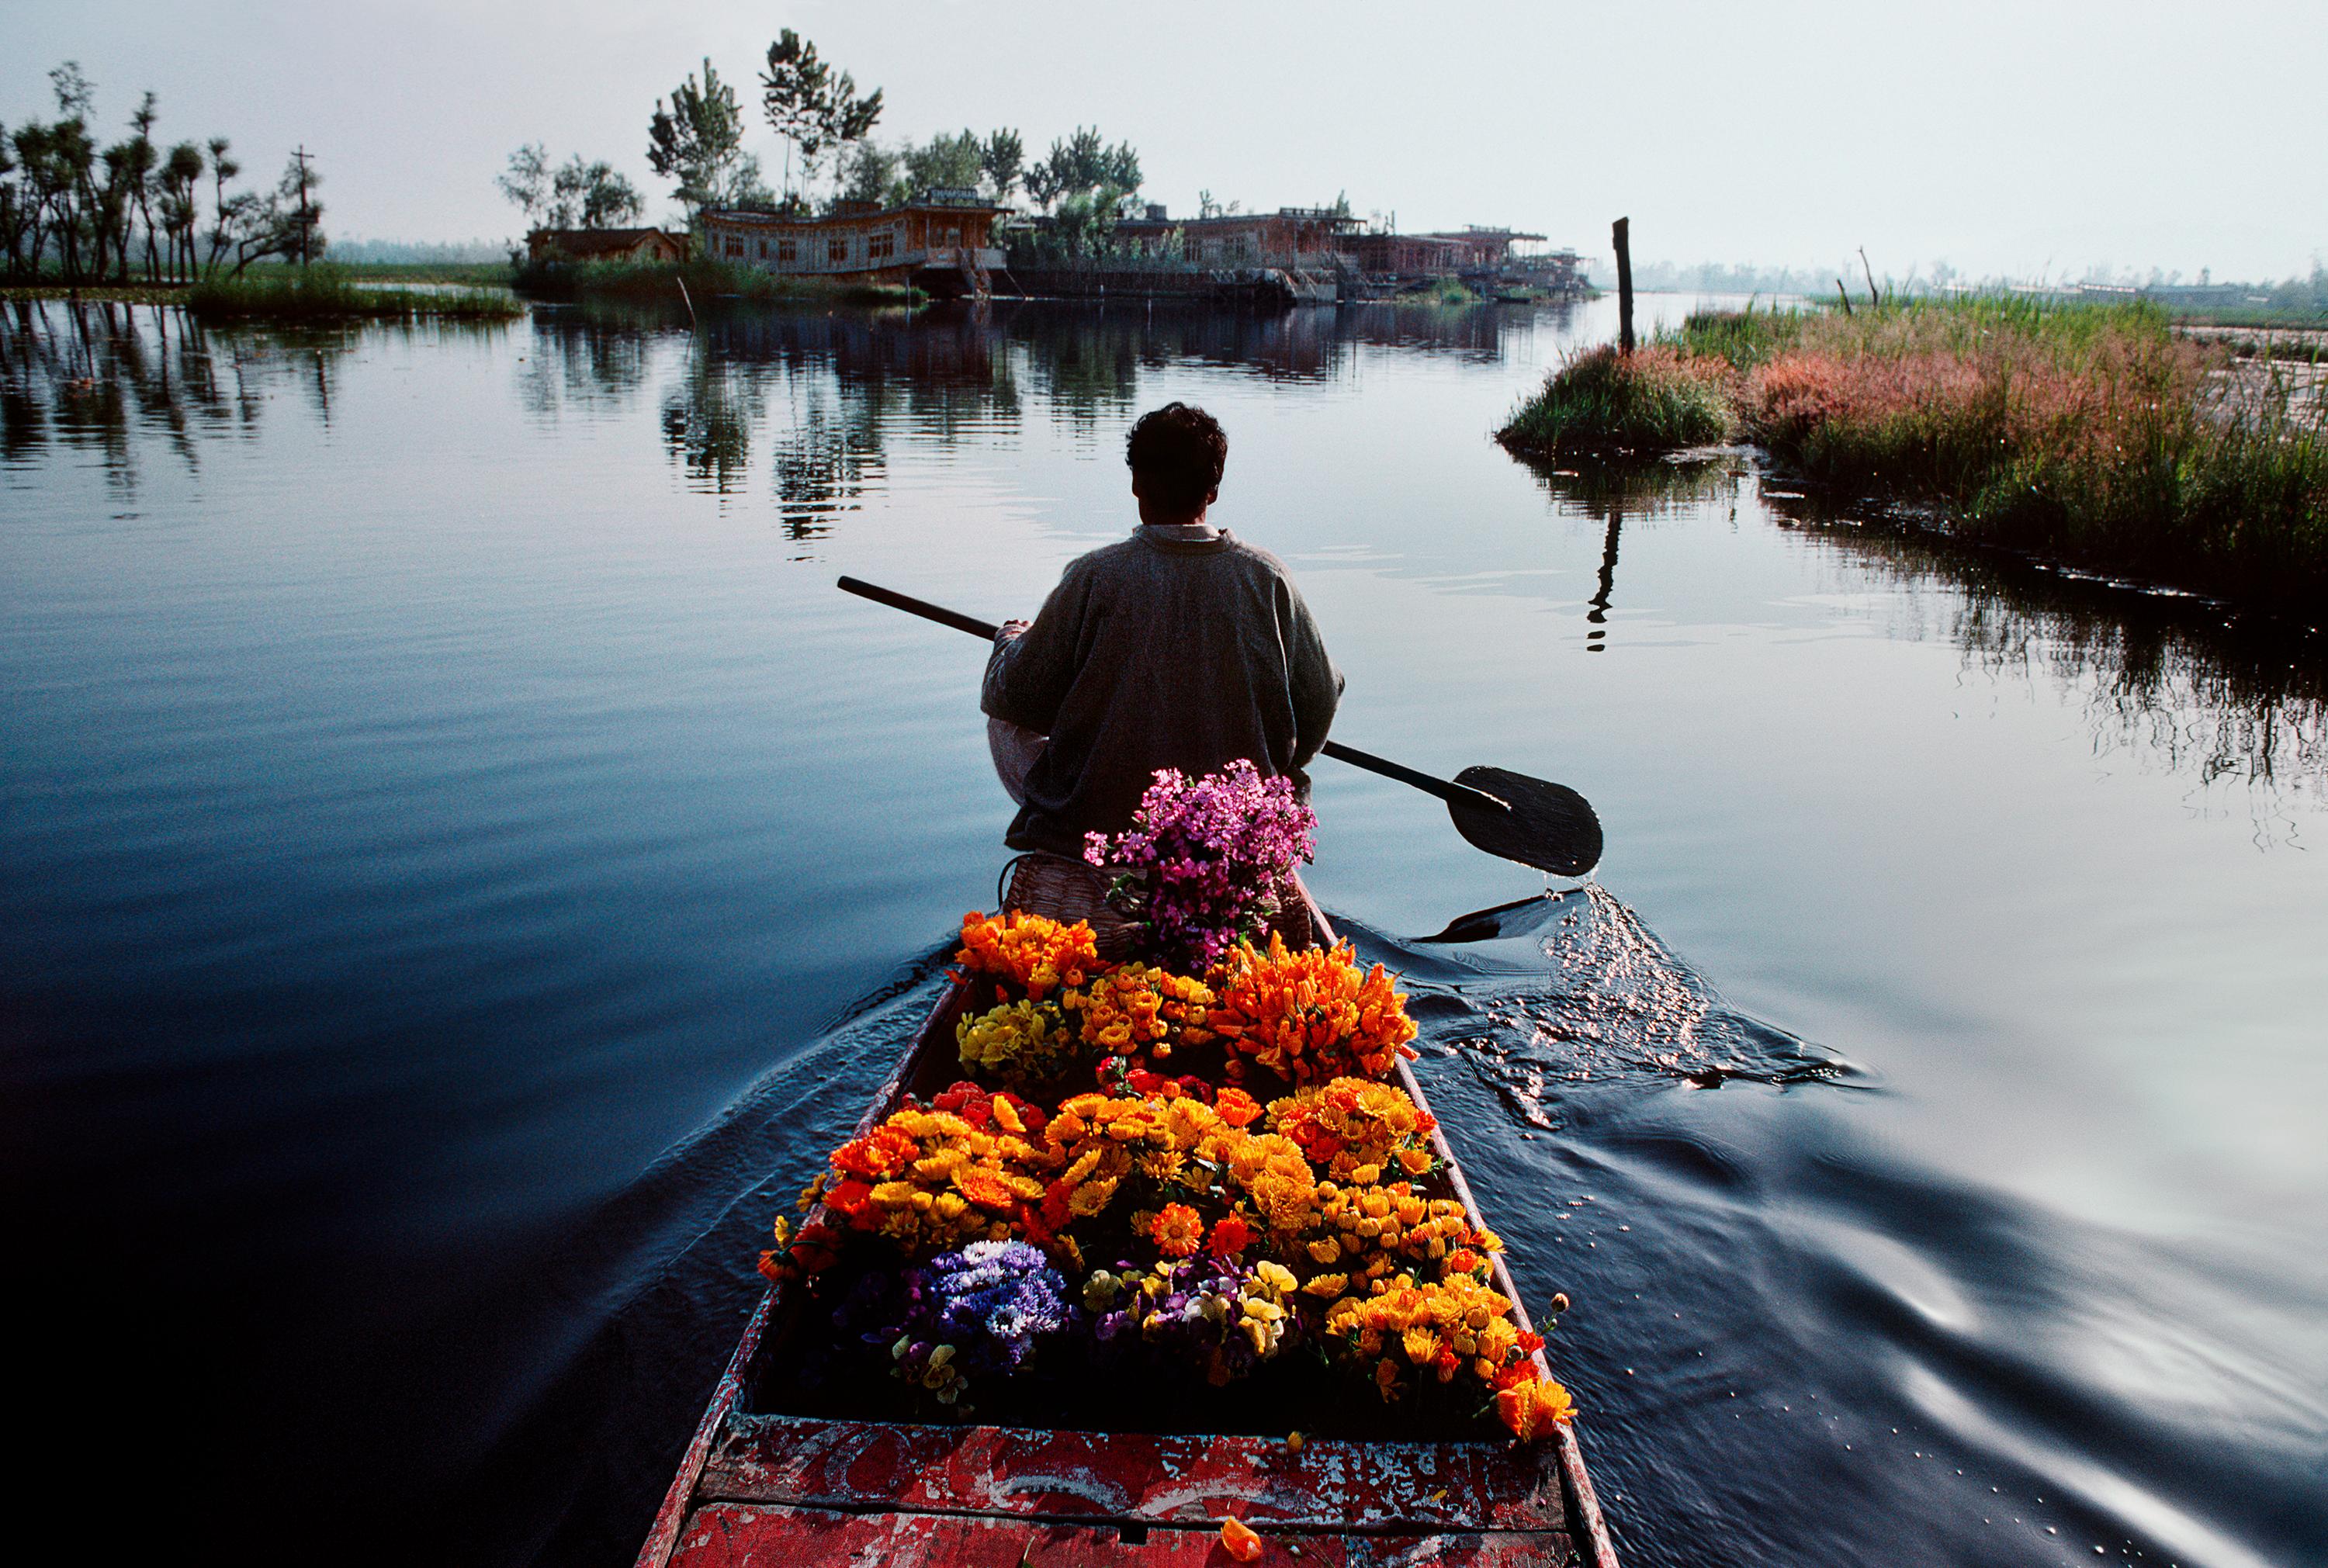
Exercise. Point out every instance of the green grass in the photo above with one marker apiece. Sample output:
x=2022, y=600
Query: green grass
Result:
x=97, y=293
x=474, y=274
x=327, y=293
x=1656, y=400
x=2089, y=434
x=1442, y=291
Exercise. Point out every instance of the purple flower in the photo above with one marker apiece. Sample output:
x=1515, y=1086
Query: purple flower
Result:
x=992, y=1299
x=1212, y=858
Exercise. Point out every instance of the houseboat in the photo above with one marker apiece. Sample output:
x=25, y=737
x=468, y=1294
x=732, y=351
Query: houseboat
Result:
x=645, y=246
x=940, y=242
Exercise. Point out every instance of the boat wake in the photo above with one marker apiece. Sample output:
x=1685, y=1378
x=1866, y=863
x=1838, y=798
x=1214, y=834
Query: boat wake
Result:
x=1541, y=997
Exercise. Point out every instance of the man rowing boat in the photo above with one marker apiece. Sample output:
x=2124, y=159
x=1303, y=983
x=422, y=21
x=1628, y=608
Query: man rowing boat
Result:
x=1180, y=647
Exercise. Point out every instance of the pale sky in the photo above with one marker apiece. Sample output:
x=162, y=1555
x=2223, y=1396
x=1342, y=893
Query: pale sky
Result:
x=2040, y=136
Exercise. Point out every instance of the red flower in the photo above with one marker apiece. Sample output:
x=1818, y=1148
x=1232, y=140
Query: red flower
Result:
x=1519, y=1372
x=882, y=1153
x=1231, y=1236
x=848, y=1198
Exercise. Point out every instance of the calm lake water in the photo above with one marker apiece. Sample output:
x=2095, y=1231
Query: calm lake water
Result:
x=461, y=863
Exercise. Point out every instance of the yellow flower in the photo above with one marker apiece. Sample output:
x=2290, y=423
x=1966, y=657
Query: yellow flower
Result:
x=1534, y=1409
x=1018, y=1042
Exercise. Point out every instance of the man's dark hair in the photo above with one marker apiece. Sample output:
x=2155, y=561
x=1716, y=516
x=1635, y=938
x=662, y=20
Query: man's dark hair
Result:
x=1177, y=453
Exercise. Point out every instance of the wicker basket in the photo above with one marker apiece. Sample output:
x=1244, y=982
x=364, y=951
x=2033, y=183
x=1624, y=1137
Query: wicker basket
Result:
x=1045, y=884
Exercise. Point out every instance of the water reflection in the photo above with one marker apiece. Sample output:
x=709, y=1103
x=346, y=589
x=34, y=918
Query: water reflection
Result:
x=94, y=377
x=2174, y=682
x=1612, y=492
x=2170, y=681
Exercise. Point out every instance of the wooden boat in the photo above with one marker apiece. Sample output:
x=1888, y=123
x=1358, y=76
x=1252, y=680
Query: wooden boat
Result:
x=759, y=1488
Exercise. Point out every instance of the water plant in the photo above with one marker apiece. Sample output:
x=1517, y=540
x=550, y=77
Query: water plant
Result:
x=2093, y=435
x=330, y=294
x=1657, y=399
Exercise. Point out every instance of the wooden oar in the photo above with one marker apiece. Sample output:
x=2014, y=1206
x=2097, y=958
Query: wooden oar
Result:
x=1528, y=820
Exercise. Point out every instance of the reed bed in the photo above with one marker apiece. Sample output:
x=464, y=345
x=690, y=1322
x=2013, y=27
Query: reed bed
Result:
x=2090, y=434
x=330, y=294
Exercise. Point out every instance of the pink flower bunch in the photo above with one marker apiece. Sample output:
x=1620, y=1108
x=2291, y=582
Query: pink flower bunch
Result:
x=1211, y=859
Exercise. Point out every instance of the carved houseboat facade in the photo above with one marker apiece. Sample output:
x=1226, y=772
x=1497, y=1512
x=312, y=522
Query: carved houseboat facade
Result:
x=941, y=242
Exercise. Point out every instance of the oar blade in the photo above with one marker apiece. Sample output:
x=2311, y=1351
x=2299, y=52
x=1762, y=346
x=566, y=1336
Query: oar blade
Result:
x=1549, y=826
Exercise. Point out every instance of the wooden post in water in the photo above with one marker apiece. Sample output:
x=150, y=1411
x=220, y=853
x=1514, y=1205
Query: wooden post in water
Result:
x=1621, y=231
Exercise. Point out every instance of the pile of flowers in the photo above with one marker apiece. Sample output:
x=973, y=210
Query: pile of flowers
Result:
x=1034, y=955
x=1308, y=1014
x=1142, y=1011
x=1354, y=1130
x=1222, y=1132
x=925, y=1179
x=1205, y=1312
x=1209, y=860
x=1433, y=1330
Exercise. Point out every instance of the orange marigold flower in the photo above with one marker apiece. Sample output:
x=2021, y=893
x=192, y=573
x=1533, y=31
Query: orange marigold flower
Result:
x=1033, y=952
x=987, y=1189
x=1177, y=1230
x=1238, y=1108
x=1231, y=1236
x=1534, y=1409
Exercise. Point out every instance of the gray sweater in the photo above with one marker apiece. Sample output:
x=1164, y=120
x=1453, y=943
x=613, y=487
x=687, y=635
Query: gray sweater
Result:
x=1158, y=653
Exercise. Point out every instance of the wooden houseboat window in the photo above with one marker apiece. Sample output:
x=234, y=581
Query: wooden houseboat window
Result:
x=764, y=251
x=734, y=246
x=787, y=251
x=882, y=246
x=837, y=251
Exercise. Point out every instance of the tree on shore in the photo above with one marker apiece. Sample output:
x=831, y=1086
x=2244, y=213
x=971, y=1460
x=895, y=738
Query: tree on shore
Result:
x=945, y=162
x=698, y=143
x=298, y=216
x=87, y=214
x=576, y=194
x=813, y=109
x=1003, y=159
x=181, y=207
x=892, y=176
x=1085, y=165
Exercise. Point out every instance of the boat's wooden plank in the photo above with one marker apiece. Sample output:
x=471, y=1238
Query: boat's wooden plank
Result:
x=759, y=1536
x=1133, y=1476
